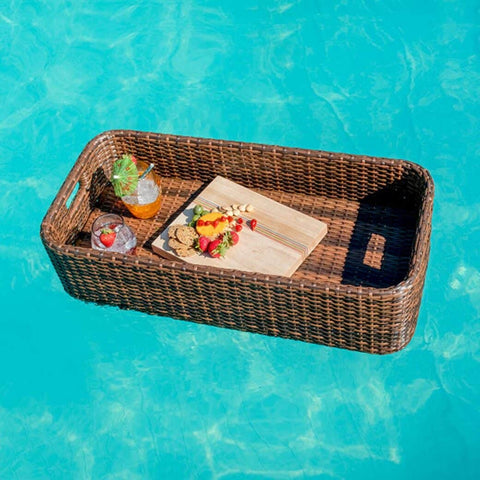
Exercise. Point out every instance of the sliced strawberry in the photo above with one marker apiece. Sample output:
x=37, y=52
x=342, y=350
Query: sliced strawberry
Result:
x=107, y=237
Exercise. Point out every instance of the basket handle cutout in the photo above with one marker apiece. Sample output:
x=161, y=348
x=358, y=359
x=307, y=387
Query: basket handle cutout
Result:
x=72, y=196
x=78, y=192
x=375, y=250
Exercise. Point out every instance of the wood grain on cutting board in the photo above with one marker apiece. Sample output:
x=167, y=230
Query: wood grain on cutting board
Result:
x=282, y=240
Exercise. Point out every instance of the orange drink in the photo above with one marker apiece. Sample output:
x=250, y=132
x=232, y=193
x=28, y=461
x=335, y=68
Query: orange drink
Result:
x=146, y=200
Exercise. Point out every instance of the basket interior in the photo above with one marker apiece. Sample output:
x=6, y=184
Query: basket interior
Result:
x=369, y=240
x=372, y=207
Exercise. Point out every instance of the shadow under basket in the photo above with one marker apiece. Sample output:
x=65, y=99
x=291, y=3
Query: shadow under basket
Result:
x=360, y=289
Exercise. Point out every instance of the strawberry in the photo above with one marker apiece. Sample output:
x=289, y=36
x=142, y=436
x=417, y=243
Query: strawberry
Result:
x=107, y=237
x=230, y=238
x=202, y=243
x=253, y=223
x=238, y=228
x=240, y=220
x=217, y=248
x=234, y=238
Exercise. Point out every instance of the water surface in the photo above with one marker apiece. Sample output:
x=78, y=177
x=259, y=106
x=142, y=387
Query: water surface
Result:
x=92, y=392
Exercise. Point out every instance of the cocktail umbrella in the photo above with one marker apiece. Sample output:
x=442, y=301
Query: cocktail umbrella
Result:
x=124, y=176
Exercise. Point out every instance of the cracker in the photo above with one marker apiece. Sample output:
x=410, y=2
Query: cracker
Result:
x=187, y=235
x=175, y=244
x=172, y=230
x=186, y=252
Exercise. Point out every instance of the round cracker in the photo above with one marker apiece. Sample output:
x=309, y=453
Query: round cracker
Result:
x=172, y=230
x=175, y=244
x=186, y=252
x=187, y=235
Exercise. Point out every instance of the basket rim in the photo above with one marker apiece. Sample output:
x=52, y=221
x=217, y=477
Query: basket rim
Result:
x=420, y=250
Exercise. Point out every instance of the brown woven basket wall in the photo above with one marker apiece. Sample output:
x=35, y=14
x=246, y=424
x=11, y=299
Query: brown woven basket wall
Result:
x=360, y=289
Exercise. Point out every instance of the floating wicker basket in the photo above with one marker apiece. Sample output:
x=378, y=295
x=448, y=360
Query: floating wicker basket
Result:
x=360, y=289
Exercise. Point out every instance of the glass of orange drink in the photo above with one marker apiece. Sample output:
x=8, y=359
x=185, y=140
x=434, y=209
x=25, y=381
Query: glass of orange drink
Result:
x=146, y=199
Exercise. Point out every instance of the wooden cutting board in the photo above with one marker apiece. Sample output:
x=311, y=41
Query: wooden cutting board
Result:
x=281, y=241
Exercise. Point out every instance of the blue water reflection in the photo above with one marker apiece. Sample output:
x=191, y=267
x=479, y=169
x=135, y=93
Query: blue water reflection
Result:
x=94, y=392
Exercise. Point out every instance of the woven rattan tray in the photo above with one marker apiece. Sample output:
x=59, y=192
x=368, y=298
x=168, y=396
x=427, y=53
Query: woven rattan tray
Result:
x=360, y=289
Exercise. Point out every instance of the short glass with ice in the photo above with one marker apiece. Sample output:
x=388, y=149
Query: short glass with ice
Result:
x=110, y=233
x=146, y=200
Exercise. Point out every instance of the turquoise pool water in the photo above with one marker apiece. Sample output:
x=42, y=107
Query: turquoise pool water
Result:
x=90, y=392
